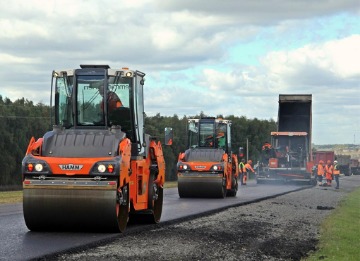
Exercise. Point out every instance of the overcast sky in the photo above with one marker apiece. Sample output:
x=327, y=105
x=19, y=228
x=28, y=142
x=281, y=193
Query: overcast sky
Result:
x=225, y=57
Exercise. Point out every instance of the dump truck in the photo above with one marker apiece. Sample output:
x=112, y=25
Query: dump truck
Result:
x=355, y=167
x=324, y=155
x=96, y=168
x=344, y=163
x=289, y=157
x=208, y=168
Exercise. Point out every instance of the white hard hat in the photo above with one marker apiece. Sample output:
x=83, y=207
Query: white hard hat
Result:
x=335, y=161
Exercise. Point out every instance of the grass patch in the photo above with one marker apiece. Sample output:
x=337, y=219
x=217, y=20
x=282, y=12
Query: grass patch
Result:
x=170, y=184
x=339, y=233
x=11, y=197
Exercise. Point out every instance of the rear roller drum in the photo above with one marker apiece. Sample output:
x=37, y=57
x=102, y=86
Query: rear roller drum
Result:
x=234, y=188
x=155, y=201
x=122, y=207
x=223, y=189
x=153, y=212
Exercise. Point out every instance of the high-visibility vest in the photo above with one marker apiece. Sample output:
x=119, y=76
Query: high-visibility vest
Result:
x=320, y=170
x=336, y=170
x=242, y=167
x=249, y=168
x=329, y=169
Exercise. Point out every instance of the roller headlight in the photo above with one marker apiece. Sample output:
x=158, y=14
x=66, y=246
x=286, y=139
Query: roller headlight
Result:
x=183, y=167
x=217, y=167
x=105, y=168
x=101, y=168
x=39, y=167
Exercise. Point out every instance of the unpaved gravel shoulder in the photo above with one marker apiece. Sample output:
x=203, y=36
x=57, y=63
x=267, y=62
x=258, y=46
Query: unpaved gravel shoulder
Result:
x=282, y=228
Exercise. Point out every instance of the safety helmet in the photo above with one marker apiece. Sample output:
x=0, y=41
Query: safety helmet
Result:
x=335, y=161
x=220, y=134
x=321, y=162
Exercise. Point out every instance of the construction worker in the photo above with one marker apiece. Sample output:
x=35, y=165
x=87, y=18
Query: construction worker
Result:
x=209, y=141
x=242, y=171
x=328, y=172
x=248, y=170
x=112, y=98
x=336, y=172
x=266, y=146
x=221, y=140
x=320, y=172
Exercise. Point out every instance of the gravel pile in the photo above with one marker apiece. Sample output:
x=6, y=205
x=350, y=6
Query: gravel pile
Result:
x=282, y=228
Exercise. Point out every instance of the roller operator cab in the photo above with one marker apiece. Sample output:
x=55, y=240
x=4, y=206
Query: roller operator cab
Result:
x=96, y=168
x=208, y=168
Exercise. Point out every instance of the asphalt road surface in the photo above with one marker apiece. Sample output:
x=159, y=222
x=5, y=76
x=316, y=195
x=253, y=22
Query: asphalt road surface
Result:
x=18, y=243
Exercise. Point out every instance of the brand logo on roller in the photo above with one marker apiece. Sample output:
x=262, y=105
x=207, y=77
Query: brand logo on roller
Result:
x=71, y=167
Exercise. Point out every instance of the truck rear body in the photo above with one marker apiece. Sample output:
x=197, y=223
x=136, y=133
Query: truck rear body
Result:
x=291, y=144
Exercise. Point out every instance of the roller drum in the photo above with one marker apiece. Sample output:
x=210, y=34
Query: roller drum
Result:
x=205, y=186
x=54, y=209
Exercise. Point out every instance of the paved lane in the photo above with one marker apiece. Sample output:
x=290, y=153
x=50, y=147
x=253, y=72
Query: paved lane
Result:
x=18, y=243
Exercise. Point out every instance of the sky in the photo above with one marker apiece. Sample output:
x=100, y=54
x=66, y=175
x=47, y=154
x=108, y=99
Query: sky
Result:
x=217, y=57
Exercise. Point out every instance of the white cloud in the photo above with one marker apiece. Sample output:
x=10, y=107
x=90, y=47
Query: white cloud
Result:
x=184, y=47
x=339, y=58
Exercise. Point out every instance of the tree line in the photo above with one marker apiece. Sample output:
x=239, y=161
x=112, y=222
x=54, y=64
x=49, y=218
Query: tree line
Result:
x=22, y=119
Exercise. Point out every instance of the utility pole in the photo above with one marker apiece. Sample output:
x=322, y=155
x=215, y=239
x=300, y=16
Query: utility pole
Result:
x=247, y=149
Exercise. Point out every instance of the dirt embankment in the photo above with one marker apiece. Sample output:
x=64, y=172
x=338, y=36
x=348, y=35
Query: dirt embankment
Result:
x=282, y=228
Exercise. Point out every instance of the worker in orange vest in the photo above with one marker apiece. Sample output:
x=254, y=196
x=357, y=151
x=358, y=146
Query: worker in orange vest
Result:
x=113, y=100
x=328, y=172
x=242, y=171
x=266, y=146
x=248, y=170
x=320, y=172
x=336, y=172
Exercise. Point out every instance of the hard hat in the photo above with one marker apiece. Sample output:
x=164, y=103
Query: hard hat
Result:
x=335, y=161
x=220, y=134
x=321, y=162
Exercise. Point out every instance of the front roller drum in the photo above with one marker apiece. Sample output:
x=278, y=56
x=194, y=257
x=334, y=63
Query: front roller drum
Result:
x=53, y=209
x=201, y=187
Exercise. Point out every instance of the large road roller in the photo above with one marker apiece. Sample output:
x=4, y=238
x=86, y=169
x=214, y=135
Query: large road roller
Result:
x=96, y=169
x=208, y=168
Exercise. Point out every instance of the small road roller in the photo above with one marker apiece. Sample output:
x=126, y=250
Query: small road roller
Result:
x=208, y=168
